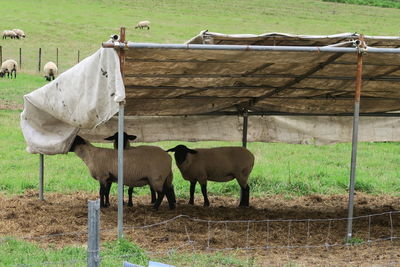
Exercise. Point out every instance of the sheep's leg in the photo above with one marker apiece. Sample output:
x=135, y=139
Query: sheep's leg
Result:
x=130, y=192
x=192, y=189
x=204, y=191
x=102, y=195
x=160, y=196
x=107, y=194
x=244, y=196
x=169, y=191
x=153, y=195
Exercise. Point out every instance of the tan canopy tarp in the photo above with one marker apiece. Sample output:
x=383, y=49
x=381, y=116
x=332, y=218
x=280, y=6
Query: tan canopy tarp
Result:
x=188, y=81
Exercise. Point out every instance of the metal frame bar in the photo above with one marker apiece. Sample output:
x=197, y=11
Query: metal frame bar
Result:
x=245, y=126
x=121, y=147
x=318, y=49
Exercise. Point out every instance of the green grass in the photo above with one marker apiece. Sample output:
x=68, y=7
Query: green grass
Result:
x=20, y=253
x=378, y=3
x=72, y=25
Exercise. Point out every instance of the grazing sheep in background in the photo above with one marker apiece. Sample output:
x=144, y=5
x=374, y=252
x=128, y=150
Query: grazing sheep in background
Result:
x=9, y=66
x=141, y=167
x=50, y=70
x=20, y=33
x=8, y=33
x=220, y=164
x=128, y=137
x=143, y=24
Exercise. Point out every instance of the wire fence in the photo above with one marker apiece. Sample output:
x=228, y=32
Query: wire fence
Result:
x=32, y=60
x=187, y=234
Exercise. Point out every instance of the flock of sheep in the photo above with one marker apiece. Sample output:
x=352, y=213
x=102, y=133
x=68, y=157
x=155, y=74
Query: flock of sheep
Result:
x=10, y=65
x=151, y=165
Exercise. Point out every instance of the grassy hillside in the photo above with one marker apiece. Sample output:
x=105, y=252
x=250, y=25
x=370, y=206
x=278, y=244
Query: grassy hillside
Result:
x=379, y=3
x=72, y=25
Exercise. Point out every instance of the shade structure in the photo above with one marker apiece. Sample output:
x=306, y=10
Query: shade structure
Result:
x=191, y=80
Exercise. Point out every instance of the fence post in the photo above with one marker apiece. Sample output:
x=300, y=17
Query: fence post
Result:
x=40, y=58
x=78, y=55
x=1, y=54
x=20, y=58
x=93, y=250
x=57, y=58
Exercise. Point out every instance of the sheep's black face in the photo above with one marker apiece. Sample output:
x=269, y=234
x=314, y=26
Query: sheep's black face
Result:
x=2, y=74
x=180, y=153
x=77, y=141
x=126, y=138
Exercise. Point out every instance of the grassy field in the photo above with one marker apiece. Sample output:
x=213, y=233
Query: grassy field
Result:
x=379, y=3
x=70, y=26
x=84, y=25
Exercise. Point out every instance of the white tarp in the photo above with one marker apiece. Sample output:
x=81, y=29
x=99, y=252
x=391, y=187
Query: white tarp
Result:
x=83, y=97
x=287, y=129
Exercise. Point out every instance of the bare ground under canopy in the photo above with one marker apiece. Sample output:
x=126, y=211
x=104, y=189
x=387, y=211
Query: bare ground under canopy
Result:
x=275, y=229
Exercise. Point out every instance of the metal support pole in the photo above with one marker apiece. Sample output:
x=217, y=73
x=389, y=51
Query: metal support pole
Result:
x=41, y=175
x=354, y=140
x=93, y=248
x=121, y=147
x=120, y=169
x=245, y=123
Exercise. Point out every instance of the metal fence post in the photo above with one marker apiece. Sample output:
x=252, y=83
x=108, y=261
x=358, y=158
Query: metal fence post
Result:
x=93, y=250
x=40, y=58
x=20, y=58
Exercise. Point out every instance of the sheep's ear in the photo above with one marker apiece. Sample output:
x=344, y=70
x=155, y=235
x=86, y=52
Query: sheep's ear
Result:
x=171, y=149
x=112, y=137
x=131, y=137
x=191, y=151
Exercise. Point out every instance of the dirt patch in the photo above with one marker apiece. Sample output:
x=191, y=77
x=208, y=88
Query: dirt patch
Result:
x=303, y=230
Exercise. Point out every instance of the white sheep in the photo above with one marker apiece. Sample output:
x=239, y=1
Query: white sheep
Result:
x=141, y=167
x=143, y=24
x=128, y=138
x=9, y=66
x=219, y=164
x=20, y=33
x=50, y=70
x=8, y=33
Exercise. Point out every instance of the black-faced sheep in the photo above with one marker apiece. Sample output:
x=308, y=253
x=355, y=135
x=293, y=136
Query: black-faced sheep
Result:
x=220, y=164
x=8, y=33
x=19, y=33
x=143, y=24
x=9, y=66
x=128, y=138
x=50, y=70
x=141, y=167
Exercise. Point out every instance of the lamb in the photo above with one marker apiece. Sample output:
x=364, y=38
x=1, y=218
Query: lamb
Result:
x=8, y=33
x=128, y=137
x=19, y=33
x=141, y=167
x=219, y=164
x=143, y=24
x=9, y=66
x=50, y=70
